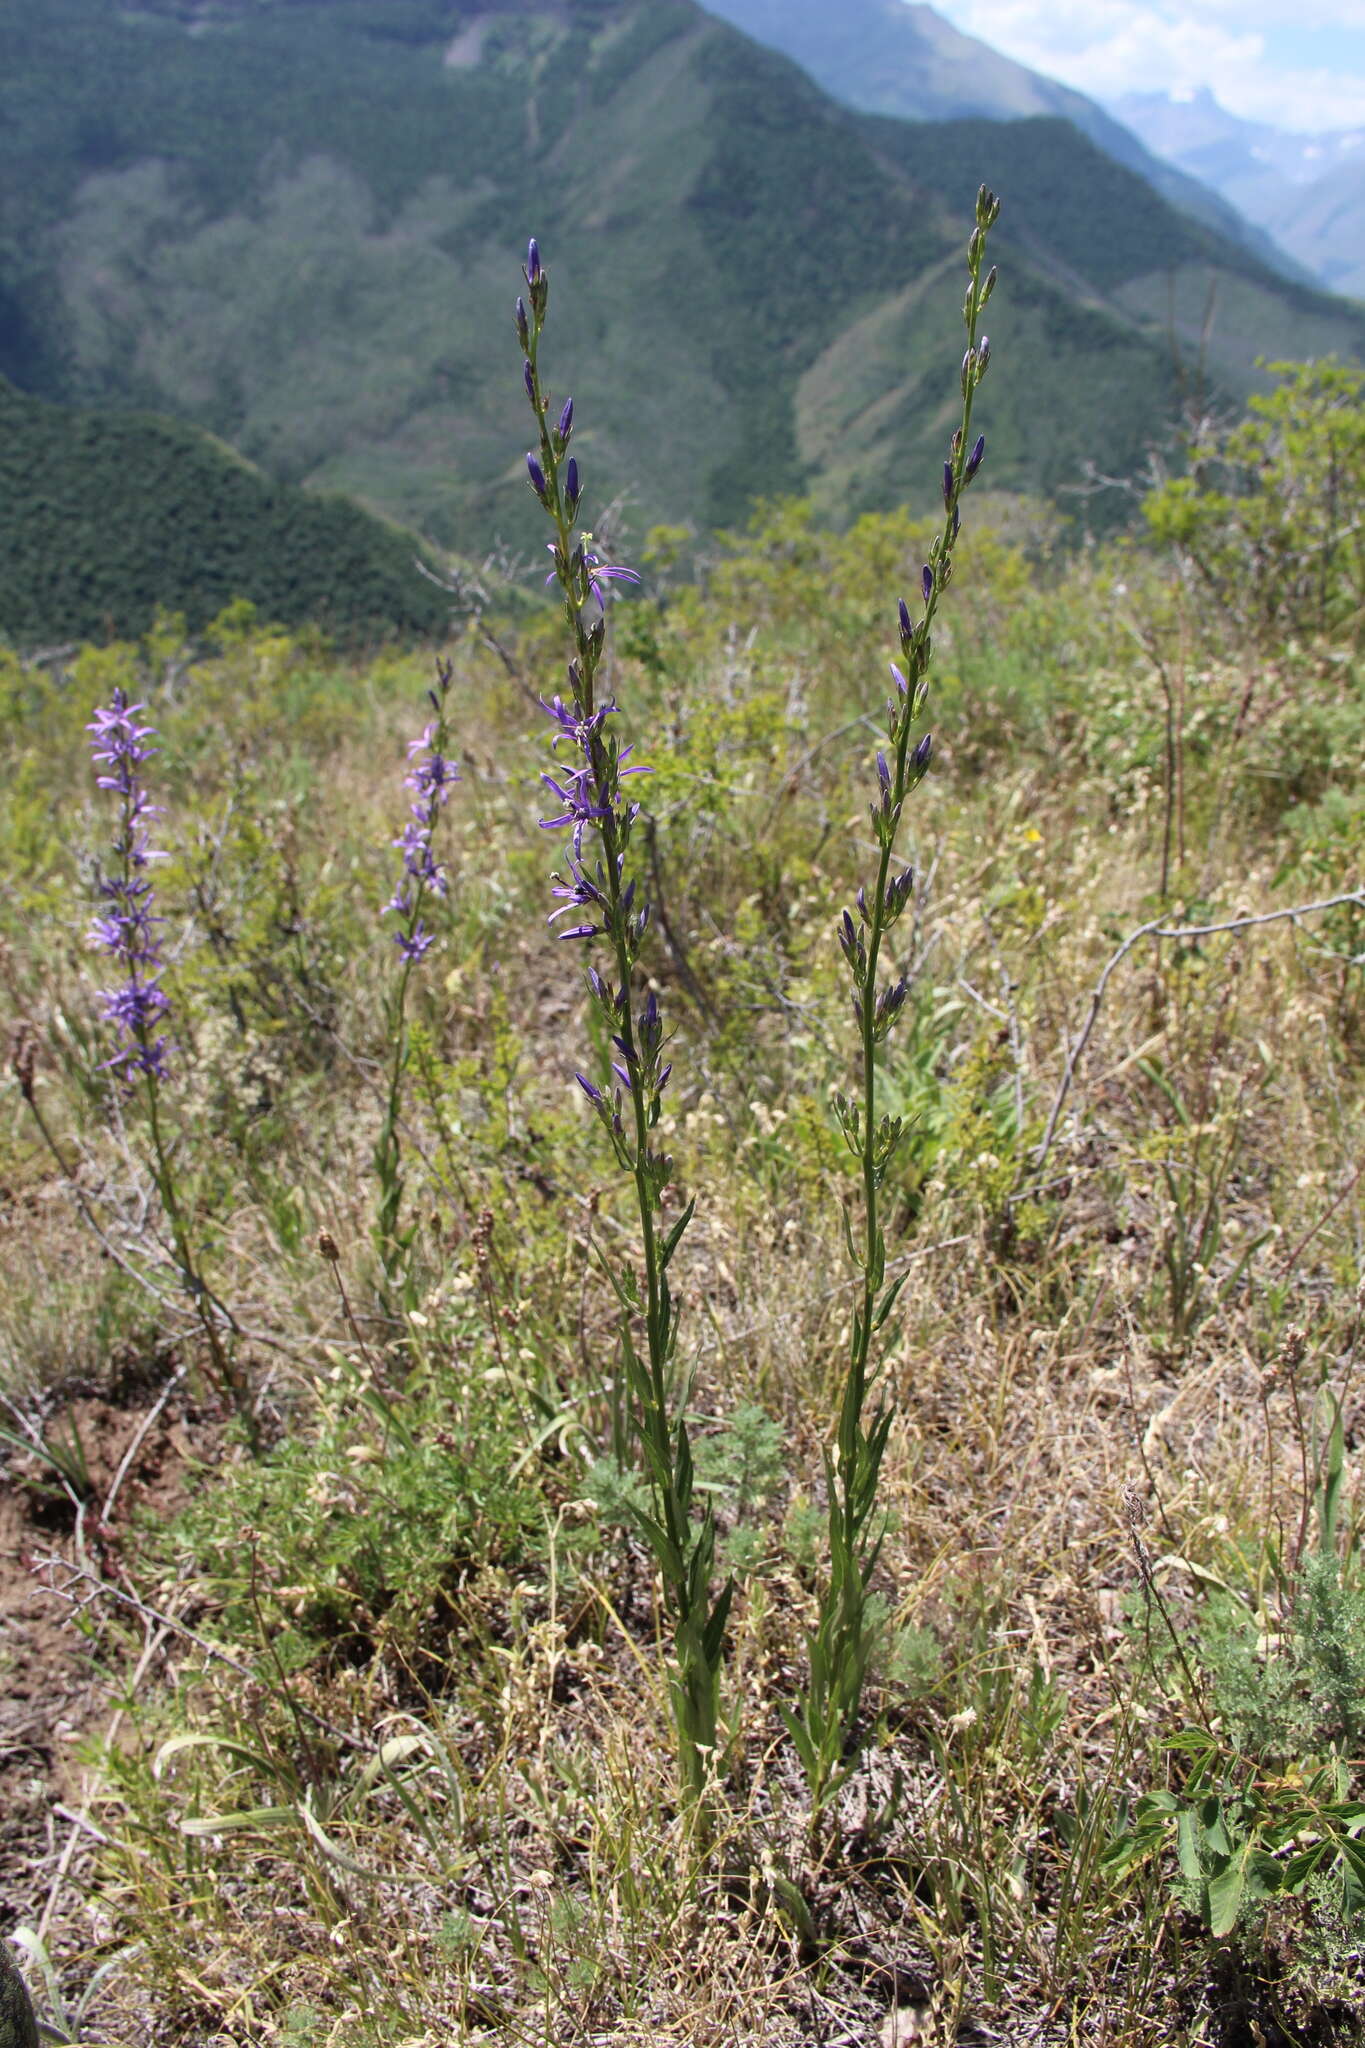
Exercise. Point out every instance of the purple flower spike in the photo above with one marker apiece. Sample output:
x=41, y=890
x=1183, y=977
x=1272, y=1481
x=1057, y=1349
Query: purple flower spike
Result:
x=126, y=930
x=430, y=777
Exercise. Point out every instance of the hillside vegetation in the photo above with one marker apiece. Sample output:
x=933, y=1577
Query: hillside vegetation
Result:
x=290, y=224
x=109, y=520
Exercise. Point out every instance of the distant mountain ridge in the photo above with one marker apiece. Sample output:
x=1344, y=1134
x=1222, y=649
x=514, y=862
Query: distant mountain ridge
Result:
x=300, y=225
x=1308, y=191
x=891, y=57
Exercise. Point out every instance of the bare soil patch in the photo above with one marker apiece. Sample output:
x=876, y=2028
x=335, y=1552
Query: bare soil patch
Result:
x=57, y=1675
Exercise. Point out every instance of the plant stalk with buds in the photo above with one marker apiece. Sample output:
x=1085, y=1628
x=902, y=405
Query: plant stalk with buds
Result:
x=824, y=1723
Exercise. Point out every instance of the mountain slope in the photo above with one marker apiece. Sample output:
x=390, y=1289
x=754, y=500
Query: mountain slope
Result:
x=890, y=57
x=299, y=225
x=1308, y=191
x=105, y=520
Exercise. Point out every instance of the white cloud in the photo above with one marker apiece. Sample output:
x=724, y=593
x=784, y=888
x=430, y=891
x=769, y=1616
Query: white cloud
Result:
x=1295, y=66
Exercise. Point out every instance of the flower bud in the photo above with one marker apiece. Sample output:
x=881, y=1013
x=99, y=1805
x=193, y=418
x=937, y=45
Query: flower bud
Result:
x=565, y=427
x=974, y=460
x=573, y=489
x=533, y=259
x=523, y=324
x=537, y=476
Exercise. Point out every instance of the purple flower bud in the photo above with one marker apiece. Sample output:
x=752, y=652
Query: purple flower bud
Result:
x=593, y=1094
x=899, y=679
x=532, y=260
x=948, y=486
x=566, y=420
x=662, y=1081
x=523, y=324
x=573, y=490
x=974, y=460
x=907, y=626
x=920, y=757
x=927, y=582
x=528, y=379
x=883, y=773
x=537, y=476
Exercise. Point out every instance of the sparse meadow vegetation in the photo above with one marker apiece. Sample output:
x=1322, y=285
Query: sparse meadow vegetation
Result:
x=961, y=1644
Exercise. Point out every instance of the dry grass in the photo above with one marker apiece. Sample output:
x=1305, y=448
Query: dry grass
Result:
x=451, y=1816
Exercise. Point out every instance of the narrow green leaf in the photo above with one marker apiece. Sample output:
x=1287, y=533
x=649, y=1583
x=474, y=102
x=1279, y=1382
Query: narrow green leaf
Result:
x=671, y=1242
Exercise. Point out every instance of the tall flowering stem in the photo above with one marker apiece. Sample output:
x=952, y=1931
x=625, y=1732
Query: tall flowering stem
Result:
x=603, y=905
x=126, y=928
x=431, y=776
x=824, y=1724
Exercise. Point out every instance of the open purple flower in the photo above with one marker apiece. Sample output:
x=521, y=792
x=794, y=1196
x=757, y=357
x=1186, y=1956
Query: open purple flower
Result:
x=599, y=572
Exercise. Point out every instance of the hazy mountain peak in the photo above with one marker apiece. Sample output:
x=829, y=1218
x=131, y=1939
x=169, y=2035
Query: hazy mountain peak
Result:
x=1308, y=191
x=890, y=57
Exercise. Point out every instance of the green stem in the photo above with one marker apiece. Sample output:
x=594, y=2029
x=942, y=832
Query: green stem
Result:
x=841, y=1644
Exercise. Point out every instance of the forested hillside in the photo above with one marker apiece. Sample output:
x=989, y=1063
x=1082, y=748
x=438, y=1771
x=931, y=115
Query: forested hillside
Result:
x=107, y=519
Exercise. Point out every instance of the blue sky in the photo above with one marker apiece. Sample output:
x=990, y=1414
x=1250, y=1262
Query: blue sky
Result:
x=1297, y=66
